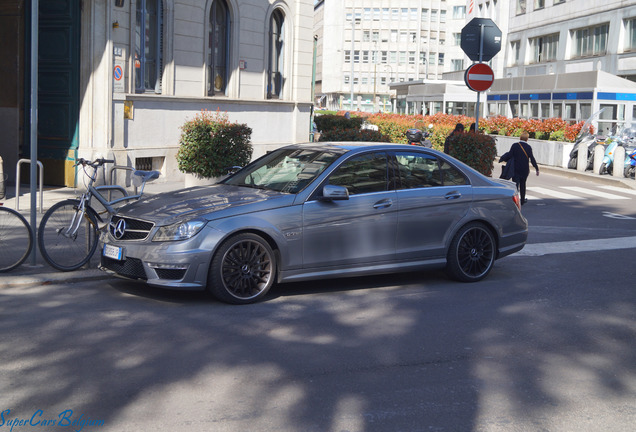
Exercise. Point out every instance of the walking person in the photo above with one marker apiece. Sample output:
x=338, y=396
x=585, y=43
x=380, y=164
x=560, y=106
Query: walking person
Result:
x=521, y=153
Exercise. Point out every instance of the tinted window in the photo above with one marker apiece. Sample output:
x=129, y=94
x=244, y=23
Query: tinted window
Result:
x=362, y=174
x=418, y=170
x=451, y=176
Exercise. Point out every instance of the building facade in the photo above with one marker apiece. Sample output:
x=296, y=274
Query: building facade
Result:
x=559, y=58
x=365, y=45
x=118, y=78
x=568, y=59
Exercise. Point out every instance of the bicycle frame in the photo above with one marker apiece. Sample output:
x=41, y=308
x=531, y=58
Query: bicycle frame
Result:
x=95, y=192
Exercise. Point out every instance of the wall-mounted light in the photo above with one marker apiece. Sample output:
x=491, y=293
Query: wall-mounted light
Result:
x=116, y=24
x=119, y=3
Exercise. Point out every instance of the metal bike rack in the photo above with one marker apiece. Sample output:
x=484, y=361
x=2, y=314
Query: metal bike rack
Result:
x=111, y=172
x=17, y=183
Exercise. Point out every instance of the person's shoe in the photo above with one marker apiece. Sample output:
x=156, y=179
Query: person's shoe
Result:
x=525, y=200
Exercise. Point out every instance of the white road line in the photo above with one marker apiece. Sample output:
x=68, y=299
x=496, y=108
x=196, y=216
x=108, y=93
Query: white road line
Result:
x=553, y=193
x=594, y=193
x=540, y=249
x=619, y=189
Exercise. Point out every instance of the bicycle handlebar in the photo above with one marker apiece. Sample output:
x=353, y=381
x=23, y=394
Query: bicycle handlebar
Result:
x=95, y=163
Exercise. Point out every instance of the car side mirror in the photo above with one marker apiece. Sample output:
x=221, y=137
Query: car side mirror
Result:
x=334, y=193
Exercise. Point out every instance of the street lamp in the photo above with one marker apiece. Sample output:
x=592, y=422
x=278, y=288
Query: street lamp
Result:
x=390, y=77
x=354, y=21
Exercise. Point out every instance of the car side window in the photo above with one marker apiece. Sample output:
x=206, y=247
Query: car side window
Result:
x=451, y=176
x=417, y=170
x=361, y=174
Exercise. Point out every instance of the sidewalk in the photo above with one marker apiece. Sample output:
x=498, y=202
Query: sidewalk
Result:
x=28, y=274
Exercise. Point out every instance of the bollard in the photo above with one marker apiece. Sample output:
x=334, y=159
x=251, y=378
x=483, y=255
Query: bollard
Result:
x=581, y=159
x=599, y=154
x=619, y=162
x=17, y=183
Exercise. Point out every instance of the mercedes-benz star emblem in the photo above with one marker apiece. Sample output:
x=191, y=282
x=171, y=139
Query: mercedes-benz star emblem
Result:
x=120, y=229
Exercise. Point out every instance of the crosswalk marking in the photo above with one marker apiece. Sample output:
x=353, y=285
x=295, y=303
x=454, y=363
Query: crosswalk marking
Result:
x=553, y=193
x=619, y=189
x=594, y=193
x=582, y=193
x=540, y=249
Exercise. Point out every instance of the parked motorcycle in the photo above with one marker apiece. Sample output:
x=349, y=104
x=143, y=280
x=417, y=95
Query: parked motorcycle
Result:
x=589, y=137
x=625, y=137
x=419, y=138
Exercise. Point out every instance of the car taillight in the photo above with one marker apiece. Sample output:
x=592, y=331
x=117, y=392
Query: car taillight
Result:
x=517, y=200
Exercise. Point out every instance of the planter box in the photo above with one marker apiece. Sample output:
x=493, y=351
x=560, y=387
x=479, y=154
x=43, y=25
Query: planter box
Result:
x=551, y=153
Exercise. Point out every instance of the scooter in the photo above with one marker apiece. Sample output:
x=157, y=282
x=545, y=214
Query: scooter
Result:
x=630, y=163
x=624, y=138
x=588, y=137
x=419, y=138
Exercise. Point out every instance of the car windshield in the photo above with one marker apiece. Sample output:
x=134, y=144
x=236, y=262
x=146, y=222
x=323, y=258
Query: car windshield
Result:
x=287, y=170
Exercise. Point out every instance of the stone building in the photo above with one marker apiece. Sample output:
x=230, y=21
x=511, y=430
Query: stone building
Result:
x=117, y=78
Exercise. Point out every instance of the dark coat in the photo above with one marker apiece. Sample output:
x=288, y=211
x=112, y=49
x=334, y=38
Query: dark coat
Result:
x=508, y=170
x=521, y=161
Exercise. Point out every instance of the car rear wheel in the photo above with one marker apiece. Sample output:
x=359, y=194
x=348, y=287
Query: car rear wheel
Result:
x=472, y=253
x=242, y=270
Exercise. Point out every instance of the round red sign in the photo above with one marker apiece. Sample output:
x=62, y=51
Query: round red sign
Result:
x=479, y=77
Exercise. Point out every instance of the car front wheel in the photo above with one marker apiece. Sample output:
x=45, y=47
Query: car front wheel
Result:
x=472, y=253
x=242, y=270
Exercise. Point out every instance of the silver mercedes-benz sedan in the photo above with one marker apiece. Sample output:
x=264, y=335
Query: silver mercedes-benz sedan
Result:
x=314, y=211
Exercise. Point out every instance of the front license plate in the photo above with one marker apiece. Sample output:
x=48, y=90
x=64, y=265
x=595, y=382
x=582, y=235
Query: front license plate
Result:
x=113, y=252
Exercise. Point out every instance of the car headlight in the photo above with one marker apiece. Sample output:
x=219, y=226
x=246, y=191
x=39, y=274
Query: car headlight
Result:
x=179, y=231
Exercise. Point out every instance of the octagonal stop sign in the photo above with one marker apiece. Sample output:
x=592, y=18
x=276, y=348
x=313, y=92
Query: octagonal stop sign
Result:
x=481, y=39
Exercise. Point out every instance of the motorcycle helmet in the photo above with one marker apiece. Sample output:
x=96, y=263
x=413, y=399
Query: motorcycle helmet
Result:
x=414, y=135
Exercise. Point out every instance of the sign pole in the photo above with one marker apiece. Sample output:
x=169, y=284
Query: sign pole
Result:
x=481, y=53
x=35, y=9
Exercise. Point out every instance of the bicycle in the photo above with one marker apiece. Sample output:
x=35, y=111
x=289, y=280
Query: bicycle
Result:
x=69, y=231
x=16, y=239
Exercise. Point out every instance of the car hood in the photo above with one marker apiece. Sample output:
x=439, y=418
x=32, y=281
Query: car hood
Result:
x=208, y=202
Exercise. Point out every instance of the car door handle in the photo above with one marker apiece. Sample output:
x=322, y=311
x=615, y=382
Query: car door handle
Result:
x=453, y=195
x=383, y=204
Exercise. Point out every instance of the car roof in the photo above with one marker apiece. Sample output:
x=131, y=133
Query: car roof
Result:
x=354, y=145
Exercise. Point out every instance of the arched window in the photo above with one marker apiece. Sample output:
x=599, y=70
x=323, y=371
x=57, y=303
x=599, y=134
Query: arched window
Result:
x=275, y=79
x=148, y=46
x=218, y=51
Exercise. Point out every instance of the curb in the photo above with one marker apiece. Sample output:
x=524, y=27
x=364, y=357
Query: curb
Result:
x=50, y=277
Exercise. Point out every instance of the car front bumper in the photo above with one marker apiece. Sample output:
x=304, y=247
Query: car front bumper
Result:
x=175, y=265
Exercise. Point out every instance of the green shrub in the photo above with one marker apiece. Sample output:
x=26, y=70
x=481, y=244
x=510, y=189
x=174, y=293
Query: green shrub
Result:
x=475, y=150
x=353, y=135
x=210, y=144
x=325, y=123
x=557, y=135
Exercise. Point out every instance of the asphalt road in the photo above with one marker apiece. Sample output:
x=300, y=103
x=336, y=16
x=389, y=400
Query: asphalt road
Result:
x=545, y=343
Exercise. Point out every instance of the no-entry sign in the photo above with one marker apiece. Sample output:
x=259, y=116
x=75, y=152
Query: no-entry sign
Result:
x=479, y=77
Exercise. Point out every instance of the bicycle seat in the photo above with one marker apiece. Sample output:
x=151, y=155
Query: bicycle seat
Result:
x=142, y=176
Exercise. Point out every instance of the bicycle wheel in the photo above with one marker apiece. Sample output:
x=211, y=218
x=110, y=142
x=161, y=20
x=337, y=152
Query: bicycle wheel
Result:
x=60, y=249
x=16, y=239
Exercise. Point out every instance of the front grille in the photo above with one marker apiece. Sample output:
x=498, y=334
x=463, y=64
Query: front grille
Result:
x=134, y=229
x=172, y=274
x=130, y=267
